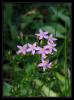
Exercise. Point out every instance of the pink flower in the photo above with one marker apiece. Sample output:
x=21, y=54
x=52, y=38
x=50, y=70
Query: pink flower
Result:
x=43, y=52
x=45, y=64
x=51, y=39
x=50, y=47
x=32, y=48
x=42, y=35
x=22, y=49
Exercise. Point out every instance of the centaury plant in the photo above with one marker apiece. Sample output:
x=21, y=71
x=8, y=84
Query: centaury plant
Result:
x=37, y=49
x=49, y=48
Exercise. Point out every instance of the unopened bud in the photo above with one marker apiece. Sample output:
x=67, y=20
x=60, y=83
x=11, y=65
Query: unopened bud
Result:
x=21, y=34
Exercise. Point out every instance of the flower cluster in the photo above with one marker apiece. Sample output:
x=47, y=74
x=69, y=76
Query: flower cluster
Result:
x=49, y=48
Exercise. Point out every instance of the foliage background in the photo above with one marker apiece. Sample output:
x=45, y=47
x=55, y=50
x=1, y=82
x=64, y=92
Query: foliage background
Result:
x=21, y=77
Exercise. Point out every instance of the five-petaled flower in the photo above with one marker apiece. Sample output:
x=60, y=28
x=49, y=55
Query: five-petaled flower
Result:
x=22, y=49
x=45, y=64
x=50, y=47
x=51, y=39
x=42, y=35
x=32, y=48
x=43, y=51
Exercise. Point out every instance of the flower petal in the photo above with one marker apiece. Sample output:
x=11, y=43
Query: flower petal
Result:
x=46, y=46
x=53, y=45
x=20, y=47
x=18, y=52
x=24, y=52
x=49, y=65
x=38, y=52
x=38, y=48
x=54, y=49
x=47, y=51
x=50, y=41
x=40, y=37
x=37, y=34
x=29, y=49
x=44, y=56
x=29, y=45
x=40, y=65
x=45, y=36
x=51, y=35
x=34, y=44
x=33, y=52
x=25, y=46
x=54, y=39
x=40, y=31
x=45, y=32
x=44, y=68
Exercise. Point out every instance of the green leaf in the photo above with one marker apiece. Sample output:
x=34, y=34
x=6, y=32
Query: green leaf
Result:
x=8, y=10
x=13, y=30
x=17, y=58
x=23, y=92
x=6, y=89
x=6, y=68
x=49, y=92
x=29, y=69
x=26, y=20
x=60, y=15
x=60, y=77
x=59, y=27
x=50, y=29
x=45, y=90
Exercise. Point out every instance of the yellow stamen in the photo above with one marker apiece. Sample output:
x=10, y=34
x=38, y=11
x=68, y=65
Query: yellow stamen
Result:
x=45, y=62
x=42, y=49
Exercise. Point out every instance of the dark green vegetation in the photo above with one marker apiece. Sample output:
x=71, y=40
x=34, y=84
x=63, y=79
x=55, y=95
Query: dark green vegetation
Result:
x=21, y=76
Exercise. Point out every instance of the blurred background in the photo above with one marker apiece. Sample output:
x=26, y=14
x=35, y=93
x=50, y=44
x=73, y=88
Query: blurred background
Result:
x=21, y=77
